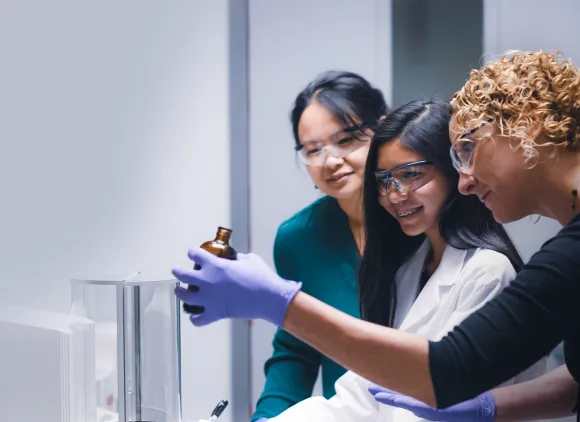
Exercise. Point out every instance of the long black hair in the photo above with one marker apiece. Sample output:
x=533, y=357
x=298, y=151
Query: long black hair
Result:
x=464, y=222
x=345, y=95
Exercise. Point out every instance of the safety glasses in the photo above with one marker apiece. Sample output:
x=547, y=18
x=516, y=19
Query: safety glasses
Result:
x=405, y=178
x=340, y=145
x=462, y=150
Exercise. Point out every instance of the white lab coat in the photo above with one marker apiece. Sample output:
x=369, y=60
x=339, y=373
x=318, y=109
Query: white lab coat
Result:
x=464, y=281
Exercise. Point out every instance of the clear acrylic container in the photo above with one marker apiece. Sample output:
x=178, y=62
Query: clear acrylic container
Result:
x=137, y=345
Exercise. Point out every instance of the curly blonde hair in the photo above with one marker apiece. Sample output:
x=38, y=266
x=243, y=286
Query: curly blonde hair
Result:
x=520, y=91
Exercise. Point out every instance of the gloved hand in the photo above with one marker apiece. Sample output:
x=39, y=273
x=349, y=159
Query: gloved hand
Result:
x=261, y=420
x=479, y=409
x=245, y=288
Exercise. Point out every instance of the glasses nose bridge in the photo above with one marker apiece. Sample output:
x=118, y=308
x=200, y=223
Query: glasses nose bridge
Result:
x=465, y=168
x=399, y=190
x=329, y=150
x=463, y=164
x=332, y=149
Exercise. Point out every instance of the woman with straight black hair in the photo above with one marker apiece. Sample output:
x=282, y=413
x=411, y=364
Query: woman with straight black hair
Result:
x=463, y=221
x=462, y=258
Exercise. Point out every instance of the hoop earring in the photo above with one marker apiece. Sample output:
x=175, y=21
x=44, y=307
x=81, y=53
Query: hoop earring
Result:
x=537, y=219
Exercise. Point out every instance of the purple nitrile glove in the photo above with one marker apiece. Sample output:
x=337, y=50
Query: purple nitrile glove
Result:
x=479, y=409
x=261, y=420
x=245, y=288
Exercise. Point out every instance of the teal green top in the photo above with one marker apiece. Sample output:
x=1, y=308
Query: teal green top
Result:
x=316, y=247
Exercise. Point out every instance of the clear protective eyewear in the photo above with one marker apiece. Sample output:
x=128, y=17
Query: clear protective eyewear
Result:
x=341, y=144
x=462, y=150
x=405, y=178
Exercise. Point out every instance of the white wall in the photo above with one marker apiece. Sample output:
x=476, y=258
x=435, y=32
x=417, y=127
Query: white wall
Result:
x=290, y=43
x=113, y=116
x=532, y=25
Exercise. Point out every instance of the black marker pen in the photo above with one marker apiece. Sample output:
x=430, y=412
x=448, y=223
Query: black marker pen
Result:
x=218, y=410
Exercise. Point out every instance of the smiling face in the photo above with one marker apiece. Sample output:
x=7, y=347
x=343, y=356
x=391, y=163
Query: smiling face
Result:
x=497, y=174
x=340, y=178
x=534, y=98
x=417, y=211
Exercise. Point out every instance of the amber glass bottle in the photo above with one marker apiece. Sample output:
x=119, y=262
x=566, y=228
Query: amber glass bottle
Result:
x=220, y=246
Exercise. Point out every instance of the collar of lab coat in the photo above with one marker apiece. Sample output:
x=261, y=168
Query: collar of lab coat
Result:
x=436, y=288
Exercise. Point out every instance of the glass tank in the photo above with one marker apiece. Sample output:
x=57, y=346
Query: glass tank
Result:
x=137, y=345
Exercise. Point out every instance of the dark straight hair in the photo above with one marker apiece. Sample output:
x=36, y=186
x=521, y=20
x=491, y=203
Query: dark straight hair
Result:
x=464, y=222
x=345, y=95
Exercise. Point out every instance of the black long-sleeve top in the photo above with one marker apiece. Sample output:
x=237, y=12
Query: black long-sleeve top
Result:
x=537, y=311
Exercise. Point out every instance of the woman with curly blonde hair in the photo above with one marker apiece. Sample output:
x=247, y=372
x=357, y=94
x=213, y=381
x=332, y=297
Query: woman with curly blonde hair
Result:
x=515, y=134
